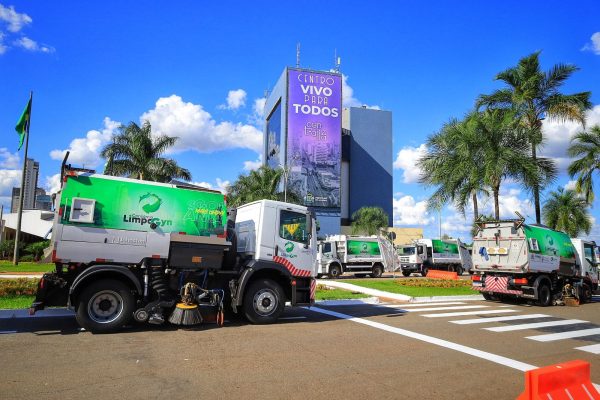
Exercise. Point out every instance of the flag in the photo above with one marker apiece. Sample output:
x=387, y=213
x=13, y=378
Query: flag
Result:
x=22, y=127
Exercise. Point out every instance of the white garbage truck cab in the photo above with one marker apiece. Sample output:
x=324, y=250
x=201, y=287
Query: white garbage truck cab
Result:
x=442, y=254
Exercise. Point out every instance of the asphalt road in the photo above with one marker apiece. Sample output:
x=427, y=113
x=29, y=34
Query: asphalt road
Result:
x=384, y=352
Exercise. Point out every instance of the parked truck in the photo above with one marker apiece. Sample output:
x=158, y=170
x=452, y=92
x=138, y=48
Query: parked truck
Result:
x=426, y=254
x=152, y=252
x=362, y=255
x=512, y=259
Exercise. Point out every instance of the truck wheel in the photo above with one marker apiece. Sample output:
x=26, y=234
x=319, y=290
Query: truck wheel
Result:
x=586, y=293
x=459, y=270
x=264, y=301
x=335, y=271
x=406, y=273
x=105, y=306
x=487, y=296
x=377, y=271
x=544, y=295
x=424, y=271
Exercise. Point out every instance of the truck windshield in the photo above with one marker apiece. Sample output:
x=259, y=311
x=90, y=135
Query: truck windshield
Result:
x=293, y=226
x=406, y=250
x=589, y=253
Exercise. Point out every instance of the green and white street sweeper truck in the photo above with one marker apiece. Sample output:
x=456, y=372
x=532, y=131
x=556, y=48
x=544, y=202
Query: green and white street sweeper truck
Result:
x=512, y=259
x=426, y=254
x=152, y=252
x=360, y=255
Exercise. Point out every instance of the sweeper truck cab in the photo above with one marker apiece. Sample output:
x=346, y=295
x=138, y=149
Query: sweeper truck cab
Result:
x=152, y=252
x=426, y=254
x=513, y=259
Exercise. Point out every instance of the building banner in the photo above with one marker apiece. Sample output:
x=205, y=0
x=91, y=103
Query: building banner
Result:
x=314, y=136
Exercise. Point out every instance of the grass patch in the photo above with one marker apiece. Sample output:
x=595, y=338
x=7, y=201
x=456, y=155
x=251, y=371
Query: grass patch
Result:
x=325, y=293
x=7, y=266
x=419, y=287
x=13, y=302
x=18, y=287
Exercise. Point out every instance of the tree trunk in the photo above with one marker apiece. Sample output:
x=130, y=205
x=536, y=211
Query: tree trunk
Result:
x=536, y=190
x=497, y=202
x=475, y=207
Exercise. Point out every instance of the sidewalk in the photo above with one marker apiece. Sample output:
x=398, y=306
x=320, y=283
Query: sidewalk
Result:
x=33, y=275
x=395, y=296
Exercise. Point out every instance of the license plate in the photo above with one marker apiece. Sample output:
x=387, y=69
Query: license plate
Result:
x=475, y=283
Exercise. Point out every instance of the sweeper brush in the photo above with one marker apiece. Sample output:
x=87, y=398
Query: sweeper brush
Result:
x=186, y=314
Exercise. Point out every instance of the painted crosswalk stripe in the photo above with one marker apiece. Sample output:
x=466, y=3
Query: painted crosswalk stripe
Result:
x=449, y=303
x=594, y=348
x=442, y=308
x=565, y=335
x=536, y=325
x=464, y=313
x=498, y=319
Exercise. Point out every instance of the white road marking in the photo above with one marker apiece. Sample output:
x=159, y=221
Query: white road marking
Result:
x=442, y=308
x=498, y=319
x=594, y=348
x=292, y=318
x=459, y=314
x=450, y=303
x=565, y=335
x=508, y=362
x=535, y=325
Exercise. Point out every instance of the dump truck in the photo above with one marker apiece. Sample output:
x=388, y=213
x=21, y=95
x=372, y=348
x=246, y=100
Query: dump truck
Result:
x=129, y=250
x=513, y=259
x=426, y=254
x=361, y=255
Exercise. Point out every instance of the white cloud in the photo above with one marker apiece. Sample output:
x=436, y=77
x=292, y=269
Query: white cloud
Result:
x=407, y=160
x=86, y=151
x=9, y=160
x=407, y=211
x=456, y=225
x=13, y=19
x=558, y=136
x=259, y=107
x=196, y=128
x=3, y=48
x=52, y=184
x=31, y=45
x=235, y=99
x=219, y=185
x=570, y=185
x=348, y=99
x=594, y=44
x=252, y=165
x=9, y=178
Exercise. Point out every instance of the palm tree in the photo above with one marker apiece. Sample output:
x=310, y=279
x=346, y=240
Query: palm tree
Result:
x=566, y=211
x=135, y=153
x=586, y=147
x=451, y=164
x=534, y=95
x=369, y=220
x=263, y=183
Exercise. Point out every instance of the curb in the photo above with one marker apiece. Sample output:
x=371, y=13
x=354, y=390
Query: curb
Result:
x=20, y=276
x=348, y=302
x=396, y=296
x=24, y=313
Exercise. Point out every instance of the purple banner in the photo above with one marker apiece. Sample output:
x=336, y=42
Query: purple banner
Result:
x=314, y=136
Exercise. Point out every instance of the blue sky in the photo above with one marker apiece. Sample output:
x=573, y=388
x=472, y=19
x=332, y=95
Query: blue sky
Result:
x=199, y=70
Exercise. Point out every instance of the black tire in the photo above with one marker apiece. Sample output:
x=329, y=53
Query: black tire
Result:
x=335, y=271
x=424, y=271
x=360, y=275
x=544, y=295
x=459, y=270
x=264, y=301
x=319, y=276
x=488, y=296
x=586, y=293
x=406, y=273
x=105, y=306
x=377, y=271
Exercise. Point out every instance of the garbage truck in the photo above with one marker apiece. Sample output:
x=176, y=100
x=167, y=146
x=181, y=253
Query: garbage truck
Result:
x=426, y=254
x=361, y=255
x=513, y=259
x=129, y=250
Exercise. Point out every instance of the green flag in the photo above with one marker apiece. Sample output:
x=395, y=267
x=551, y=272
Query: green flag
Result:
x=22, y=127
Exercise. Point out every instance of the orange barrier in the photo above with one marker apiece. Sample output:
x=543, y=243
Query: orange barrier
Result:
x=441, y=274
x=570, y=380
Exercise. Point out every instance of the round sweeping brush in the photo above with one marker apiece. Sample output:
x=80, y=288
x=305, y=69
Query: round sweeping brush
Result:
x=186, y=312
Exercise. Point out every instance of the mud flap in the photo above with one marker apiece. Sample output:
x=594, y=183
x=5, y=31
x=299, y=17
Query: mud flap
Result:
x=51, y=291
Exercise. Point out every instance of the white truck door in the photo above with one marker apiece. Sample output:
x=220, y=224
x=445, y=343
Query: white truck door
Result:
x=293, y=243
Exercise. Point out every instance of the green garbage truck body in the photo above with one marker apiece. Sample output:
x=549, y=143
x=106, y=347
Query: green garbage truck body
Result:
x=127, y=249
x=511, y=258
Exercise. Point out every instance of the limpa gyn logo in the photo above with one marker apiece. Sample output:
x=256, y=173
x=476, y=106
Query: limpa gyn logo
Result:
x=150, y=202
x=289, y=248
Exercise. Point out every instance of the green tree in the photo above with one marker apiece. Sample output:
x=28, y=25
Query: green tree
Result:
x=369, y=220
x=136, y=153
x=263, y=183
x=36, y=249
x=566, y=211
x=451, y=165
x=534, y=95
x=585, y=146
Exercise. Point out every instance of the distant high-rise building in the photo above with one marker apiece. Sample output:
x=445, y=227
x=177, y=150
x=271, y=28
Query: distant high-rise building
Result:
x=32, y=169
x=42, y=200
